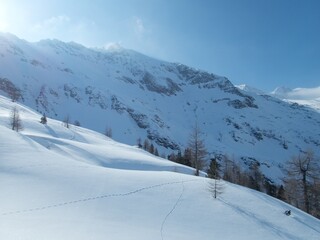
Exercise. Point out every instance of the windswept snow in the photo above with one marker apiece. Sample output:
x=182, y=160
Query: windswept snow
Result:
x=59, y=183
x=304, y=96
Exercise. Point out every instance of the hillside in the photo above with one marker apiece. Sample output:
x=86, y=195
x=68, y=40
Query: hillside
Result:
x=141, y=97
x=60, y=183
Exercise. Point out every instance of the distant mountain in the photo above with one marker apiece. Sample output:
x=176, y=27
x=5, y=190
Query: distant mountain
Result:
x=74, y=183
x=250, y=89
x=304, y=96
x=142, y=97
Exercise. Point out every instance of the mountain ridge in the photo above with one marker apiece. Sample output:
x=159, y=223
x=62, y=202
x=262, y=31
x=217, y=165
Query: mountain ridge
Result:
x=143, y=97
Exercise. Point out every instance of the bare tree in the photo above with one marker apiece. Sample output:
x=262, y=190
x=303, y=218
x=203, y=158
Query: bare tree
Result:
x=198, y=149
x=301, y=172
x=15, y=120
x=146, y=145
x=139, y=142
x=108, y=132
x=66, y=121
x=215, y=187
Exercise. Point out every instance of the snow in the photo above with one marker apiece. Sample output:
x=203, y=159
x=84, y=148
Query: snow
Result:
x=59, y=183
x=304, y=96
x=62, y=79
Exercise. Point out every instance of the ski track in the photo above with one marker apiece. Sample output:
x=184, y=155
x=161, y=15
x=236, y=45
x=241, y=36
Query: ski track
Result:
x=264, y=223
x=97, y=198
x=173, y=208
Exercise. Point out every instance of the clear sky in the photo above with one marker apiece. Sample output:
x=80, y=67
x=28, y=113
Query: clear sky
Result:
x=263, y=43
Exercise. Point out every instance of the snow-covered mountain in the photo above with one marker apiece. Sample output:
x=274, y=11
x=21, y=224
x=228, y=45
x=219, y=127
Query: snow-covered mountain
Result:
x=250, y=89
x=141, y=97
x=304, y=96
x=74, y=183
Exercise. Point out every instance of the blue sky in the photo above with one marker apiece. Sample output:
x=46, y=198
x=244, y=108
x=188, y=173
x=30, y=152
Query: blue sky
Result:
x=263, y=43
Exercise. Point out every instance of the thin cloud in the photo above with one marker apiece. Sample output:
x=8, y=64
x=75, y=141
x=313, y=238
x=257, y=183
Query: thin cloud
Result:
x=139, y=26
x=52, y=23
x=113, y=46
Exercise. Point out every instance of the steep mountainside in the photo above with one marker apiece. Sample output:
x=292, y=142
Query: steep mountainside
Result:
x=138, y=96
x=74, y=183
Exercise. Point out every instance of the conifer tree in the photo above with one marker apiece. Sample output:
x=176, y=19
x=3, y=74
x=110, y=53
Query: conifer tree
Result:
x=43, y=119
x=198, y=149
x=15, y=120
x=214, y=169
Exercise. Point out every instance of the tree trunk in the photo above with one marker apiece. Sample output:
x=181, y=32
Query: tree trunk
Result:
x=305, y=191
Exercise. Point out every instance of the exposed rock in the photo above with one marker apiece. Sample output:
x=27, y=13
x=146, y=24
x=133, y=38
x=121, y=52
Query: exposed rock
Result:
x=10, y=89
x=139, y=118
x=73, y=92
x=149, y=81
x=162, y=141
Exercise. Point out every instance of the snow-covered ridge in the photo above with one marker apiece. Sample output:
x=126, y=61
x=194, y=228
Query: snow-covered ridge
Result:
x=250, y=89
x=309, y=97
x=297, y=93
x=74, y=183
x=141, y=97
x=304, y=96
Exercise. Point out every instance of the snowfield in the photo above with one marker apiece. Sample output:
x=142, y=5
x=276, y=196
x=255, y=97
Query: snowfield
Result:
x=59, y=183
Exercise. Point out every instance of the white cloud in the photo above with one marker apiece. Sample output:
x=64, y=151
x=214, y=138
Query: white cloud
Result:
x=113, y=46
x=305, y=93
x=298, y=93
x=52, y=23
x=139, y=27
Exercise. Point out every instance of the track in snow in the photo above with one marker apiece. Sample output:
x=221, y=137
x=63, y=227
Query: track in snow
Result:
x=171, y=211
x=259, y=220
x=96, y=198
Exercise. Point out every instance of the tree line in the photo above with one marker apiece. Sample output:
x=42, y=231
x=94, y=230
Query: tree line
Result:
x=300, y=185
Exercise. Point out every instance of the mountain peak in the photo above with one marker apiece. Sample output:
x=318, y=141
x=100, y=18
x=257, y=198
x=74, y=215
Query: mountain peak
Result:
x=146, y=98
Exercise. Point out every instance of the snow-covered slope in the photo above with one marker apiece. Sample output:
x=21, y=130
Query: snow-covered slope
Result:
x=304, y=96
x=141, y=97
x=59, y=183
x=250, y=89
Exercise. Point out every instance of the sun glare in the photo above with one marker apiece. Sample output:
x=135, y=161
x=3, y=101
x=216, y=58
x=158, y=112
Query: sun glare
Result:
x=3, y=21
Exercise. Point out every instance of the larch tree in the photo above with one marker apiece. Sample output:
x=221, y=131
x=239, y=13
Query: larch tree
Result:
x=108, y=132
x=215, y=187
x=198, y=150
x=66, y=121
x=301, y=172
x=15, y=120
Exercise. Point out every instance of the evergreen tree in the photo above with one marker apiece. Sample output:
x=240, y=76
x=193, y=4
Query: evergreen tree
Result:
x=43, y=119
x=214, y=169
